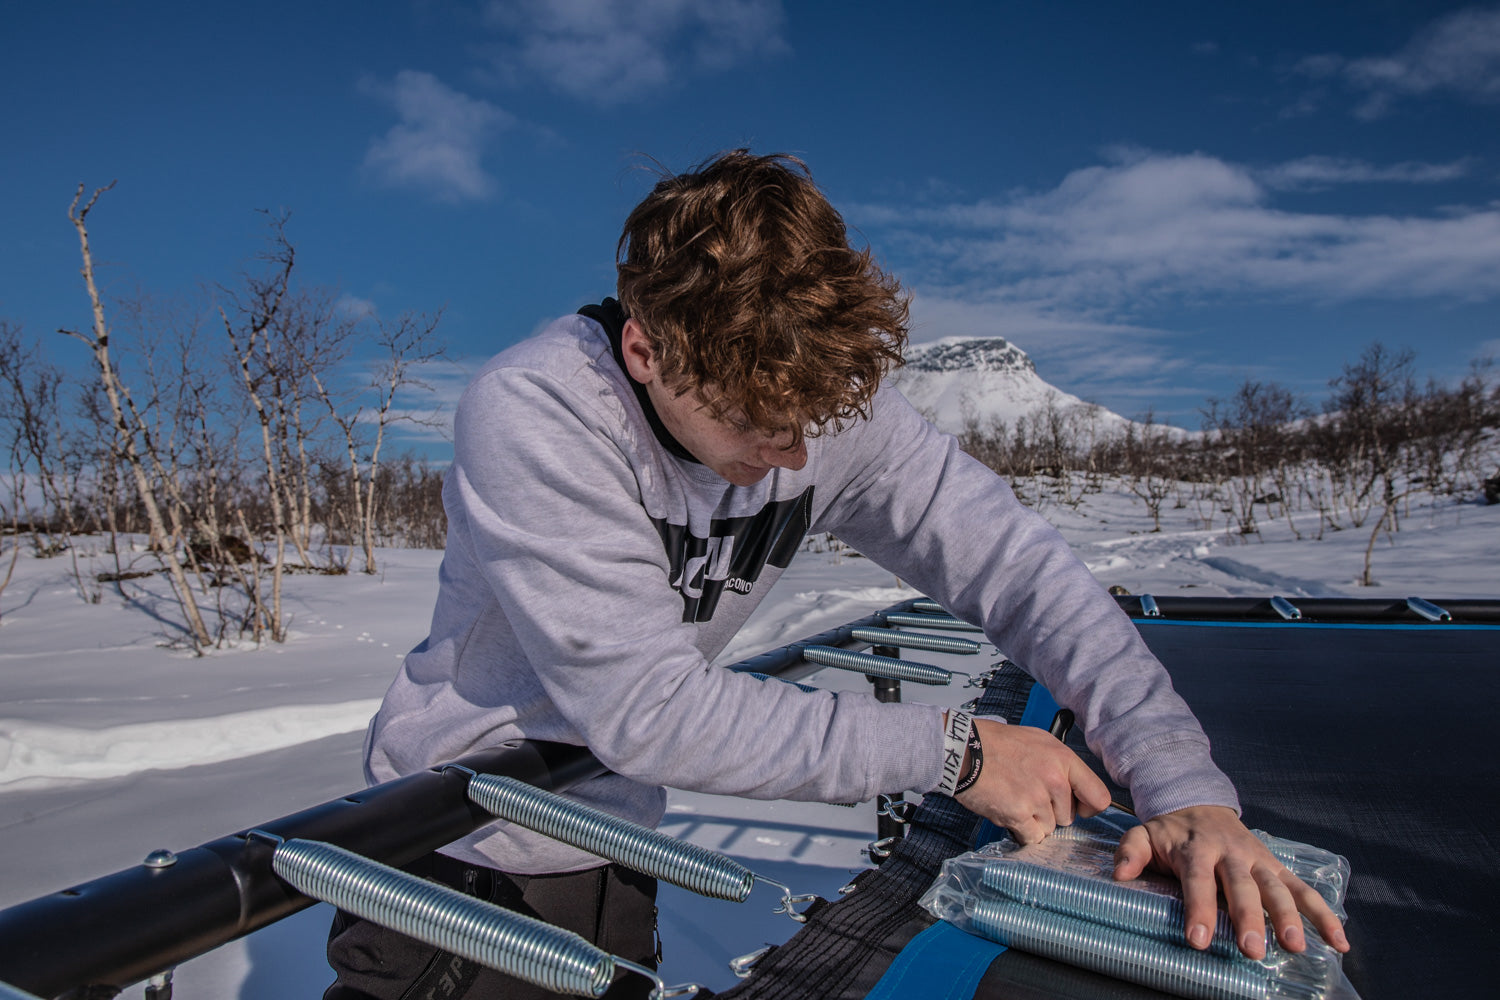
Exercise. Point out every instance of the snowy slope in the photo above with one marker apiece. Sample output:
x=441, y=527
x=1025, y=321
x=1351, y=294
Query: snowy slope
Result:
x=988, y=378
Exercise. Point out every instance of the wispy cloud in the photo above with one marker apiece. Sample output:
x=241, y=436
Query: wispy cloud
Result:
x=438, y=144
x=1323, y=171
x=354, y=307
x=1457, y=54
x=1071, y=272
x=611, y=51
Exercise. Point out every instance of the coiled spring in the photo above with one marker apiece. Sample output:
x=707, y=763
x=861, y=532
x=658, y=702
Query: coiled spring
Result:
x=876, y=666
x=930, y=621
x=695, y=868
x=1149, y=914
x=1117, y=953
x=931, y=607
x=518, y=945
x=914, y=640
x=705, y=872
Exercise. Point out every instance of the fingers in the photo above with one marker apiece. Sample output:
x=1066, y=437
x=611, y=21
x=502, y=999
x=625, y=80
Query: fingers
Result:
x=1092, y=794
x=1244, y=902
x=1133, y=854
x=1310, y=902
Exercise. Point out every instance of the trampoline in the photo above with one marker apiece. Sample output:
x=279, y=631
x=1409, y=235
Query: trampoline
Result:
x=1349, y=725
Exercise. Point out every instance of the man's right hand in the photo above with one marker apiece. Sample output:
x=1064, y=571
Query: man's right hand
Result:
x=1030, y=782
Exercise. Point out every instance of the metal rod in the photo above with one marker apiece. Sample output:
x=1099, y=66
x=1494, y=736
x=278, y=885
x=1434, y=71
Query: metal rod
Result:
x=126, y=927
x=1285, y=608
x=916, y=640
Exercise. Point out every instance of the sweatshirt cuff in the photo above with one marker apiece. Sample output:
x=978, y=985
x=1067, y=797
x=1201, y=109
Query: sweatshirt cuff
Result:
x=1175, y=773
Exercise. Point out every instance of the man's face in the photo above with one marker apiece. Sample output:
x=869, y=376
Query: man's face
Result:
x=738, y=453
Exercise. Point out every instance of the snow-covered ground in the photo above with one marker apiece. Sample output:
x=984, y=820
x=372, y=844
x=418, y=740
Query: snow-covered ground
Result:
x=112, y=746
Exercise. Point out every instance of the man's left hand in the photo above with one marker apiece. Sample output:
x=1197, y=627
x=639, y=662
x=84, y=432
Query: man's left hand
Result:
x=1208, y=849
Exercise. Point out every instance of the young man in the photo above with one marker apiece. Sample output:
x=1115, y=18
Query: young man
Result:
x=625, y=488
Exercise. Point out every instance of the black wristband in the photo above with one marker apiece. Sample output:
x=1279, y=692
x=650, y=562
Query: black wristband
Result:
x=976, y=762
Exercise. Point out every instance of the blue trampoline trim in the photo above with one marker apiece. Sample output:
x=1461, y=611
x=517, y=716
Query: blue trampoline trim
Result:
x=941, y=963
x=1400, y=626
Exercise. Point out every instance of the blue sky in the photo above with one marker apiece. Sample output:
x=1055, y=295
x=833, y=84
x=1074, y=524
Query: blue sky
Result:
x=1155, y=201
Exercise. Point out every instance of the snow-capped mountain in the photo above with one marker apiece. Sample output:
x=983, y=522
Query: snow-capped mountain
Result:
x=986, y=377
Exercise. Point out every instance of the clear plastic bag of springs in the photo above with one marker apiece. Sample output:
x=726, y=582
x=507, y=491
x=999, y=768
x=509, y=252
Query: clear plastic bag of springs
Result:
x=1059, y=899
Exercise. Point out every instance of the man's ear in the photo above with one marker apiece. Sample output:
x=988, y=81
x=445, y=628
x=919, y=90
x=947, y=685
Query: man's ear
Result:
x=640, y=361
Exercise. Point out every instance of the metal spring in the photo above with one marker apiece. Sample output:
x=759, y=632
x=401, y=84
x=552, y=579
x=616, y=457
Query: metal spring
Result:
x=930, y=621
x=931, y=607
x=914, y=640
x=1181, y=971
x=877, y=666
x=698, y=869
x=1148, y=606
x=445, y=918
x=1155, y=916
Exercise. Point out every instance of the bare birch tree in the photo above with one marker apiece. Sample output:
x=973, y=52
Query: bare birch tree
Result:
x=137, y=448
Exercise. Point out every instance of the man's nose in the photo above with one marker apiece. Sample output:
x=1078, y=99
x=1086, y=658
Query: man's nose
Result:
x=776, y=455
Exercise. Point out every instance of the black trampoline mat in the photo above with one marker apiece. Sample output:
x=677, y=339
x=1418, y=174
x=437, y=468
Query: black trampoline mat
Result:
x=1373, y=743
x=1366, y=741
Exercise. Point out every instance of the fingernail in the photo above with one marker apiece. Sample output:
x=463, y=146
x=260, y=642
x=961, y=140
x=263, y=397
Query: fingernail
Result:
x=1198, y=935
x=1248, y=942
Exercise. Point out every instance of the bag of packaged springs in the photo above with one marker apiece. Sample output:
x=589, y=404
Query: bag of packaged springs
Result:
x=1059, y=899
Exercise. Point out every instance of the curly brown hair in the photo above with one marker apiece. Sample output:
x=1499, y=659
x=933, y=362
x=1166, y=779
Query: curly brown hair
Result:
x=742, y=277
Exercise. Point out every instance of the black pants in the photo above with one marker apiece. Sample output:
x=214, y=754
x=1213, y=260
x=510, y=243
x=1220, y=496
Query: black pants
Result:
x=611, y=906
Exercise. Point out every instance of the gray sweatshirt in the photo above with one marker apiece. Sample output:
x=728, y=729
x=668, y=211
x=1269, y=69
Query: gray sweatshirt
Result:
x=591, y=576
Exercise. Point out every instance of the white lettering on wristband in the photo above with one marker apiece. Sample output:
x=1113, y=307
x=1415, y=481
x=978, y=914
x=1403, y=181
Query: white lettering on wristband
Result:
x=955, y=742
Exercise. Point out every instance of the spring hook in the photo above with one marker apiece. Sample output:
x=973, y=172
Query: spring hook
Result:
x=745, y=964
x=896, y=808
x=789, y=902
x=879, y=850
x=915, y=640
x=518, y=945
x=877, y=666
x=689, y=866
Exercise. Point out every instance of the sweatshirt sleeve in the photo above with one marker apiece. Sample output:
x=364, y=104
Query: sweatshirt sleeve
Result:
x=921, y=507
x=552, y=515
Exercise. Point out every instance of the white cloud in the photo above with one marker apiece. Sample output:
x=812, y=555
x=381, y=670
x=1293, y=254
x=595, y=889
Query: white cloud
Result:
x=438, y=144
x=1192, y=226
x=354, y=307
x=1458, y=54
x=1069, y=272
x=610, y=51
x=1321, y=171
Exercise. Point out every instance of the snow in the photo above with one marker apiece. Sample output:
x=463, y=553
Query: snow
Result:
x=115, y=741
